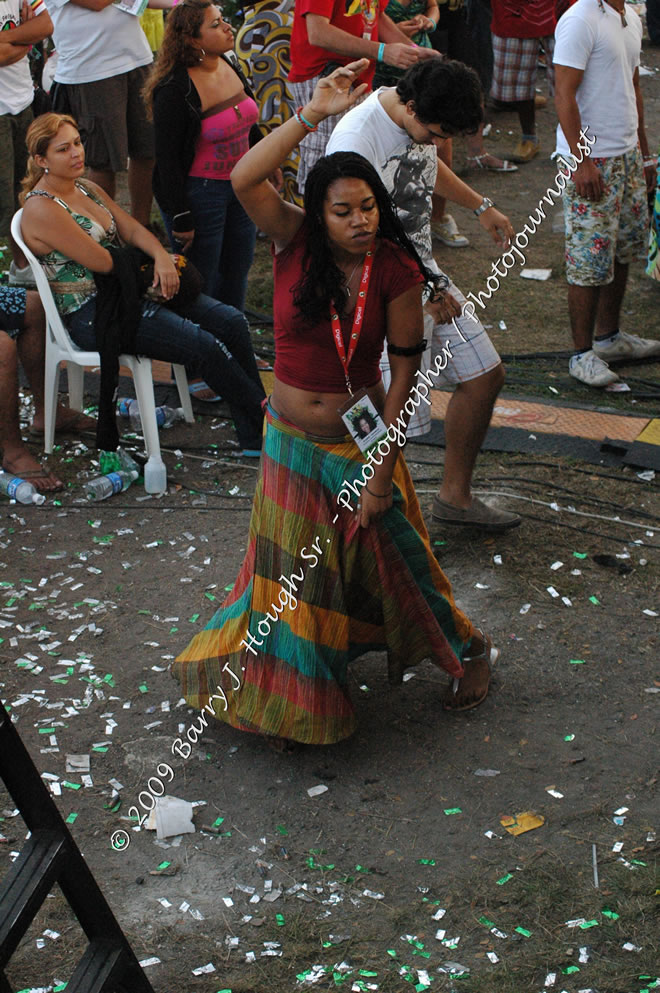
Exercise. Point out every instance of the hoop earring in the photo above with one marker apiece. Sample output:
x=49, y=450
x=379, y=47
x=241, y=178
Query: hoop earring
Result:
x=201, y=58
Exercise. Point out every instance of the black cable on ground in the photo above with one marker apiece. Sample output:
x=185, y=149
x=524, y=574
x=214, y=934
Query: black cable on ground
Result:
x=597, y=534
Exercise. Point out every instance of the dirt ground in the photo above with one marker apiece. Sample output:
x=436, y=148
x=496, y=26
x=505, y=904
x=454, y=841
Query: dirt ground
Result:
x=400, y=874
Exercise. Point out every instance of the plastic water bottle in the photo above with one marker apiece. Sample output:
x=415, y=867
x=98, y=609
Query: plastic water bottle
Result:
x=106, y=486
x=19, y=489
x=165, y=416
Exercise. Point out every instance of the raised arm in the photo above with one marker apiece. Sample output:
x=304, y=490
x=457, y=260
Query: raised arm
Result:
x=276, y=218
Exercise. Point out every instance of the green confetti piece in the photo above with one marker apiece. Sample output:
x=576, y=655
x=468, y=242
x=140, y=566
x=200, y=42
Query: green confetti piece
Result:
x=100, y=748
x=504, y=879
x=580, y=555
x=362, y=868
x=173, y=630
x=638, y=862
x=36, y=606
x=281, y=829
x=62, y=682
x=453, y=810
x=525, y=933
x=109, y=679
x=570, y=969
x=426, y=955
x=164, y=865
x=218, y=821
x=317, y=851
x=486, y=922
x=46, y=730
x=209, y=596
x=367, y=972
x=326, y=944
x=427, y=861
x=569, y=737
x=193, y=619
x=58, y=989
x=114, y=805
x=71, y=786
x=226, y=990
x=587, y=924
x=144, y=612
x=613, y=916
x=391, y=953
x=279, y=918
x=228, y=589
x=71, y=818
x=594, y=599
x=577, y=661
x=439, y=542
x=143, y=688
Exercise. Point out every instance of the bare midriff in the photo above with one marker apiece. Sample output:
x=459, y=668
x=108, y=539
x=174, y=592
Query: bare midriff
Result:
x=317, y=413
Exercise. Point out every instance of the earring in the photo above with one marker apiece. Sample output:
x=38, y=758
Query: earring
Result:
x=201, y=58
x=46, y=170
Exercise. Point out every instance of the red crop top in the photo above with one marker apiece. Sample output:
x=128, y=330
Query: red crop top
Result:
x=305, y=353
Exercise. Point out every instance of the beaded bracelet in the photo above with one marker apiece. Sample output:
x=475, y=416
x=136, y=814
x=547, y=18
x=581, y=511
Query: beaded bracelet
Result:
x=304, y=122
x=381, y=52
x=383, y=496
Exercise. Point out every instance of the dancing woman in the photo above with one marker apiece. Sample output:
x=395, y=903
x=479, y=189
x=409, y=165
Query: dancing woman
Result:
x=324, y=581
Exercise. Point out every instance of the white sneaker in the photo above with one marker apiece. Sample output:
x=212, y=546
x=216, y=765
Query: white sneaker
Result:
x=589, y=369
x=21, y=277
x=447, y=232
x=626, y=346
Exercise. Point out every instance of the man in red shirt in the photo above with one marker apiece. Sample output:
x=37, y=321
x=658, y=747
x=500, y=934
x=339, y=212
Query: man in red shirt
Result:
x=518, y=27
x=329, y=33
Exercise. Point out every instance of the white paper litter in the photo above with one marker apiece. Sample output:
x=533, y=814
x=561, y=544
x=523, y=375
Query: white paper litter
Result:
x=203, y=970
x=316, y=790
x=540, y=274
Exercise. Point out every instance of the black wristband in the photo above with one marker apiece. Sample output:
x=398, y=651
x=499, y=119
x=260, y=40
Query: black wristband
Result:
x=410, y=350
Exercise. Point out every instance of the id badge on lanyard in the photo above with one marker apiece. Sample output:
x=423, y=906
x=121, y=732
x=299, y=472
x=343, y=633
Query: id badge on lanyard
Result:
x=369, y=9
x=364, y=423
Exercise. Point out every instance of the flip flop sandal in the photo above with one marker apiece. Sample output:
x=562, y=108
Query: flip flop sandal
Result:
x=478, y=162
x=200, y=387
x=490, y=655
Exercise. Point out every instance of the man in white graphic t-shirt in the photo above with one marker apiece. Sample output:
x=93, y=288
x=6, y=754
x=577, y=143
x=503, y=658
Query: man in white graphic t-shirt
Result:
x=398, y=129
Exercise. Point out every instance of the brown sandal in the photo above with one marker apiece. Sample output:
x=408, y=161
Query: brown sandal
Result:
x=489, y=655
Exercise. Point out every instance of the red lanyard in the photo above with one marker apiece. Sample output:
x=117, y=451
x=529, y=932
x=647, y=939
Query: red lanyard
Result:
x=357, y=321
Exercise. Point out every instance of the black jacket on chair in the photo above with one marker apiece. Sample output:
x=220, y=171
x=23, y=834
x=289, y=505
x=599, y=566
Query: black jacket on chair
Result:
x=118, y=312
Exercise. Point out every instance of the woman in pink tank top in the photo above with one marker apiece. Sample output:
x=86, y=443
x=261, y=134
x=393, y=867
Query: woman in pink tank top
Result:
x=203, y=114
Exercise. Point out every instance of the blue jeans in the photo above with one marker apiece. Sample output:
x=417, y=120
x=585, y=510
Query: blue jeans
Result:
x=213, y=340
x=223, y=247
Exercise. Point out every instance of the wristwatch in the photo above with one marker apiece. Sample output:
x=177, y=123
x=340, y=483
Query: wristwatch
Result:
x=484, y=205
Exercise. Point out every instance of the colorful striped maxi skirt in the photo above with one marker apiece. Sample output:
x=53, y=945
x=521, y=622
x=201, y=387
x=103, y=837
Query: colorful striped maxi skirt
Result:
x=315, y=592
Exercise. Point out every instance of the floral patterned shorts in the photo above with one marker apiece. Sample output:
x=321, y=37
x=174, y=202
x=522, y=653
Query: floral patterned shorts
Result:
x=12, y=310
x=615, y=227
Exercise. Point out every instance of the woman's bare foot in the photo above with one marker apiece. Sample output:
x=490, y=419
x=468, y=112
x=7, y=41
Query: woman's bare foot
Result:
x=67, y=421
x=472, y=688
x=283, y=746
x=22, y=464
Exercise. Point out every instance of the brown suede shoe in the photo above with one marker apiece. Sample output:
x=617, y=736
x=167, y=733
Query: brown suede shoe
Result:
x=525, y=151
x=477, y=515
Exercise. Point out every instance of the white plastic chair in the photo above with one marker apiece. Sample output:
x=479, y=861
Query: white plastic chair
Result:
x=60, y=348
